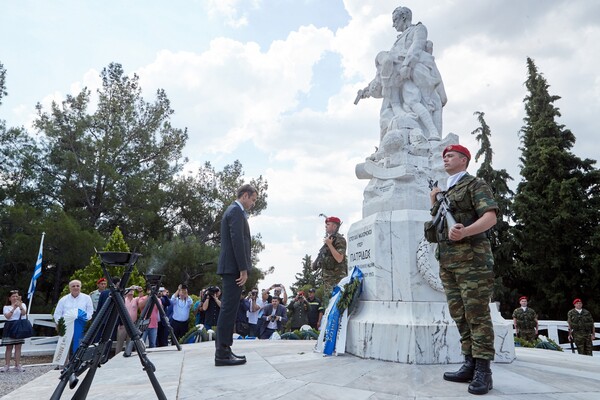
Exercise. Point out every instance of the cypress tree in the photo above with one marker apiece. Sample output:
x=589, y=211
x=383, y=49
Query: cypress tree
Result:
x=556, y=209
x=500, y=235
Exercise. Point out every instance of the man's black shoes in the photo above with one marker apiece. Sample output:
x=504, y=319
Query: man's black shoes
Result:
x=225, y=357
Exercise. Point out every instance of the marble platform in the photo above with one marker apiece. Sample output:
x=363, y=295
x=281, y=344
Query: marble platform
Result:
x=291, y=370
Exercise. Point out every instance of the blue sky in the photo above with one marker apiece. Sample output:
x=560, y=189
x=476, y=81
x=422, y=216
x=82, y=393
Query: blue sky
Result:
x=271, y=83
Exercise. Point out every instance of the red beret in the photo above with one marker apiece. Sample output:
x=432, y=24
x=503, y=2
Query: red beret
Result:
x=458, y=148
x=577, y=301
x=100, y=280
x=335, y=220
x=301, y=293
x=522, y=298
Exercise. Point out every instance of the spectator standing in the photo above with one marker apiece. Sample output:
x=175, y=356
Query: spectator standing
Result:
x=79, y=302
x=132, y=305
x=274, y=318
x=279, y=291
x=197, y=309
x=162, y=337
x=95, y=295
x=581, y=328
x=255, y=304
x=298, y=309
x=525, y=321
x=151, y=331
x=241, y=320
x=181, y=303
x=315, y=310
x=74, y=300
x=211, y=307
x=13, y=309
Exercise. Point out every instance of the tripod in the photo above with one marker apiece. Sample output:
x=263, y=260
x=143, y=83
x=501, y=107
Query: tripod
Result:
x=89, y=356
x=144, y=320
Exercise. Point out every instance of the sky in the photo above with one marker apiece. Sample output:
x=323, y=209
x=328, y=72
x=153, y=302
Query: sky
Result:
x=271, y=83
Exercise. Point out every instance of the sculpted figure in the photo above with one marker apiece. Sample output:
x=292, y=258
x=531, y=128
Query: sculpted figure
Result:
x=408, y=80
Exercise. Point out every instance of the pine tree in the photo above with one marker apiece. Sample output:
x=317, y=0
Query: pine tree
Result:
x=90, y=274
x=501, y=238
x=307, y=278
x=556, y=209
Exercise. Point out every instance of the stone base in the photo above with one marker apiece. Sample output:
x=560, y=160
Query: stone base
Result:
x=416, y=333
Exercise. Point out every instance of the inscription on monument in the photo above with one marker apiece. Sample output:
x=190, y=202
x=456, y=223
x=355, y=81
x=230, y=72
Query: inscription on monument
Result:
x=362, y=243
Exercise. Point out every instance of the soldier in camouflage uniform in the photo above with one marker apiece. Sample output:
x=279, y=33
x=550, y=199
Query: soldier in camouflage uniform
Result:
x=581, y=328
x=466, y=266
x=525, y=321
x=331, y=260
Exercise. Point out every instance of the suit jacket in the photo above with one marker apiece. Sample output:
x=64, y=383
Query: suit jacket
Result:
x=280, y=312
x=235, y=242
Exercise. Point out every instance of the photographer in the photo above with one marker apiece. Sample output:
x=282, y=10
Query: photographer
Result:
x=278, y=289
x=274, y=318
x=241, y=319
x=182, y=303
x=212, y=307
x=255, y=304
x=298, y=310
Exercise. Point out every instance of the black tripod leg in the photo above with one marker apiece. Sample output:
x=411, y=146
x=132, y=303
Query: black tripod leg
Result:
x=140, y=347
x=104, y=347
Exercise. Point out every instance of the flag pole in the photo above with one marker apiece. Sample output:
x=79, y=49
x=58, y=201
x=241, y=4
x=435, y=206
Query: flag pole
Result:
x=37, y=272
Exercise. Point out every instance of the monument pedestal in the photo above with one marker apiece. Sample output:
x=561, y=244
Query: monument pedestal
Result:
x=402, y=315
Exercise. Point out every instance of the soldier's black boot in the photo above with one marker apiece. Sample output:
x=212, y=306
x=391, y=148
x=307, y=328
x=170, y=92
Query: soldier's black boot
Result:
x=482, y=381
x=465, y=372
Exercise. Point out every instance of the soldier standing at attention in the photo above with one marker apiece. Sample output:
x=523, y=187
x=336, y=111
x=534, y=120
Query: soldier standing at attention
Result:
x=332, y=257
x=466, y=267
x=581, y=328
x=525, y=321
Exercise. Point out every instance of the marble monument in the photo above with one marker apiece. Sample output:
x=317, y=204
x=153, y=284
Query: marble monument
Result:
x=402, y=315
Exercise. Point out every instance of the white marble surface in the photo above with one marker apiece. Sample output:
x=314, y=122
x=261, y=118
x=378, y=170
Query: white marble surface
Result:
x=290, y=370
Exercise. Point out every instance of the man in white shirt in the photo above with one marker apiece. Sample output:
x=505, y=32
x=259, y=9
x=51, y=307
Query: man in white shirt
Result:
x=74, y=300
x=256, y=303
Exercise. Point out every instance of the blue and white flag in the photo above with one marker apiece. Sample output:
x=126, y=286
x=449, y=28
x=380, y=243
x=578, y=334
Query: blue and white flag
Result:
x=37, y=272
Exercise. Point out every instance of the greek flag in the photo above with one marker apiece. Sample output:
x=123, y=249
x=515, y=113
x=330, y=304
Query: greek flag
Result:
x=37, y=272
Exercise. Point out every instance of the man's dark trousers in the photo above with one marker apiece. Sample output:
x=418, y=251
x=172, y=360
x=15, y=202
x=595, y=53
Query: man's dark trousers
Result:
x=230, y=301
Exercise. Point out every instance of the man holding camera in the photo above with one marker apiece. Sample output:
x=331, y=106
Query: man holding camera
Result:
x=182, y=303
x=278, y=289
x=255, y=304
x=211, y=305
x=298, y=309
x=274, y=318
x=235, y=261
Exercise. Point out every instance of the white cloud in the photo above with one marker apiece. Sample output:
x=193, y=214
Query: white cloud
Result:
x=229, y=10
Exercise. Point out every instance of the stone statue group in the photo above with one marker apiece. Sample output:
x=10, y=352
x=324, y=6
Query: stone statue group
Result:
x=408, y=81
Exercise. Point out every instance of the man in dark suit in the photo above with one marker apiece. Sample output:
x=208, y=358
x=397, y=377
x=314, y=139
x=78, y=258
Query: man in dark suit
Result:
x=234, y=265
x=274, y=318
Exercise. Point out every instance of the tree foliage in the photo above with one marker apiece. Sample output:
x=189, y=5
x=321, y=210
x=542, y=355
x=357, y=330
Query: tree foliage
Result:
x=500, y=235
x=556, y=209
x=307, y=278
x=90, y=274
x=110, y=164
x=111, y=167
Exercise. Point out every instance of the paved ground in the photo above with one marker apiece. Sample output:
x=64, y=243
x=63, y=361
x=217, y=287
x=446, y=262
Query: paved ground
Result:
x=291, y=370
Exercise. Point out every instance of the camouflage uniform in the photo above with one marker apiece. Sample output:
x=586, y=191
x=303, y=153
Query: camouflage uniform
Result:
x=466, y=268
x=331, y=270
x=526, y=323
x=582, y=326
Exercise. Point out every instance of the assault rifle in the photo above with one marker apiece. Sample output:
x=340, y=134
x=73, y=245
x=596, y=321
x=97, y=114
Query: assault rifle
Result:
x=443, y=215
